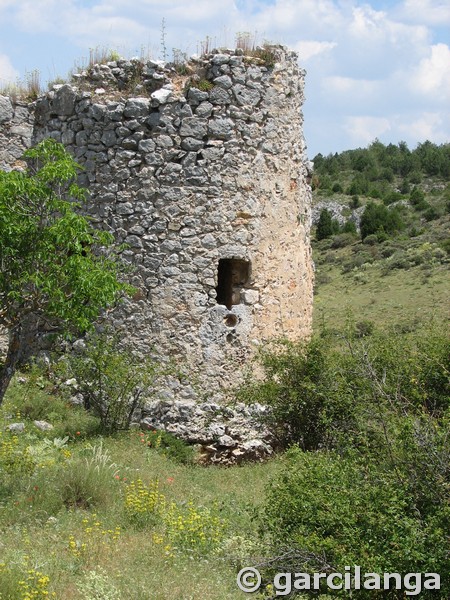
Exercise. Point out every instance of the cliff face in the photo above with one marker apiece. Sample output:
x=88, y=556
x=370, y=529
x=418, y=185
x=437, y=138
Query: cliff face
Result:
x=203, y=175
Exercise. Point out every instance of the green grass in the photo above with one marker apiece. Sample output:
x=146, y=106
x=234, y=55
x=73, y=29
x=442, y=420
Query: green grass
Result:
x=415, y=295
x=62, y=512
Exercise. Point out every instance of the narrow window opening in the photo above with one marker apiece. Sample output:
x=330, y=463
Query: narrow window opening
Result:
x=232, y=275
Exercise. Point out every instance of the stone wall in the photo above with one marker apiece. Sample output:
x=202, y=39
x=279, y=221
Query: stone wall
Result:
x=192, y=167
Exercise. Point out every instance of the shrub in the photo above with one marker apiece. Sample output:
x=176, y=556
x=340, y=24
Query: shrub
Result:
x=111, y=380
x=297, y=386
x=98, y=586
x=431, y=214
x=392, y=197
x=375, y=192
x=144, y=503
x=23, y=583
x=336, y=511
x=80, y=483
x=192, y=528
x=170, y=446
x=370, y=240
x=377, y=217
x=355, y=202
x=337, y=188
x=358, y=260
x=405, y=187
x=349, y=227
x=318, y=392
x=364, y=328
x=342, y=239
x=399, y=260
x=359, y=185
x=415, y=177
x=445, y=245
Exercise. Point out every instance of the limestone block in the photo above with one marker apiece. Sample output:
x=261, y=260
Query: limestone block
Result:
x=64, y=101
x=193, y=127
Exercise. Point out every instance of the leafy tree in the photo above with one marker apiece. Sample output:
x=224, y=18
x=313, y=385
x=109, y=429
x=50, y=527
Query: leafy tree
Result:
x=56, y=268
x=376, y=217
x=327, y=226
x=359, y=185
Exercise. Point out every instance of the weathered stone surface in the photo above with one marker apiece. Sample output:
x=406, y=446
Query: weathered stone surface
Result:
x=6, y=109
x=246, y=96
x=220, y=59
x=43, y=425
x=221, y=128
x=194, y=127
x=224, y=81
x=238, y=428
x=195, y=96
x=16, y=427
x=64, y=101
x=136, y=107
x=162, y=96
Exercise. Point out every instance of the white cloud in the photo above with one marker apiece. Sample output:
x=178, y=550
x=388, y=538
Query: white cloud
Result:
x=309, y=48
x=349, y=86
x=427, y=126
x=8, y=74
x=364, y=129
x=433, y=73
x=429, y=12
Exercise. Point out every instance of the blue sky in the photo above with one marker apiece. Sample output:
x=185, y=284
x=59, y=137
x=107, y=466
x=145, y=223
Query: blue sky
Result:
x=375, y=69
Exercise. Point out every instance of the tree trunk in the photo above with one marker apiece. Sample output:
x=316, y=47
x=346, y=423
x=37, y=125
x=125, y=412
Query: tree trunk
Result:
x=12, y=358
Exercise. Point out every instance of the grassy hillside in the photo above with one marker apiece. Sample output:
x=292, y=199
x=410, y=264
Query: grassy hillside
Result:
x=388, y=278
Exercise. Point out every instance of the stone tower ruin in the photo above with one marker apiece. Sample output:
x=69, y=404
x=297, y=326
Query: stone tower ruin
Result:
x=200, y=169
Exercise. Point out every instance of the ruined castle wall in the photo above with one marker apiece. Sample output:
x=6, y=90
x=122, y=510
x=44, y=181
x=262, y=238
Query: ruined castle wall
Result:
x=203, y=176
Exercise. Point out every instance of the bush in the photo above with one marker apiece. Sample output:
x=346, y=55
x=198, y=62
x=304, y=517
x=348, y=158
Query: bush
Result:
x=97, y=585
x=445, y=245
x=316, y=390
x=297, y=386
x=349, y=227
x=167, y=444
x=358, y=260
x=342, y=239
x=355, y=202
x=111, y=380
x=336, y=511
x=392, y=197
x=337, y=188
x=375, y=192
x=399, y=260
x=79, y=482
x=370, y=240
x=431, y=214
